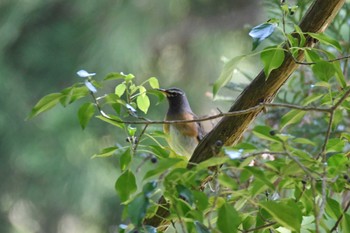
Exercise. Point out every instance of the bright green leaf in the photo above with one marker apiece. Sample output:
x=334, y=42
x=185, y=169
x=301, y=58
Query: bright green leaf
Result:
x=335, y=145
x=333, y=208
x=286, y=214
x=226, y=74
x=153, y=82
x=125, y=185
x=143, y=103
x=85, y=113
x=120, y=89
x=228, y=219
x=272, y=58
x=47, y=102
x=345, y=225
x=292, y=117
x=227, y=181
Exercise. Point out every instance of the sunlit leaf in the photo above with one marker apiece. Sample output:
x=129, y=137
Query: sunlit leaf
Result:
x=142, y=100
x=120, y=89
x=85, y=113
x=47, y=102
x=85, y=74
x=125, y=185
x=272, y=58
x=261, y=32
x=228, y=219
x=153, y=82
x=90, y=86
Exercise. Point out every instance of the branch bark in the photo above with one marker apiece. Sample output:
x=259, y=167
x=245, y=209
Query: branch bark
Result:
x=230, y=129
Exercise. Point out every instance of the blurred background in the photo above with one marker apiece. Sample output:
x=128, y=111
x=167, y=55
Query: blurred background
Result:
x=48, y=181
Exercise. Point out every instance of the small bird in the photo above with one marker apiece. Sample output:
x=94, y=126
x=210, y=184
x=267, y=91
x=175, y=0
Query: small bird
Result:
x=183, y=138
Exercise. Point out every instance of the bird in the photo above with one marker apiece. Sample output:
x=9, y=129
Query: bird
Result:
x=182, y=138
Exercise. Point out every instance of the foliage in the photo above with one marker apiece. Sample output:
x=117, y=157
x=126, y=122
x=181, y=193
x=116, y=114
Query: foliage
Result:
x=290, y=174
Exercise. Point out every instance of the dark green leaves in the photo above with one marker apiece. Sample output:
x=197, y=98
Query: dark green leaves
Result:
x=85, y=113
x=126, y=185
x=261, y=32
x=228, y=219
x=287, y=214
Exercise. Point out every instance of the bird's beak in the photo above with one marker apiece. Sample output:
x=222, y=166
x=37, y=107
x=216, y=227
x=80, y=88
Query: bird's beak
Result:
x=162, y=90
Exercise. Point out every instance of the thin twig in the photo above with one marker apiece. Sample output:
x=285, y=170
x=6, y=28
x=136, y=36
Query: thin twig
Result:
x=340, y=217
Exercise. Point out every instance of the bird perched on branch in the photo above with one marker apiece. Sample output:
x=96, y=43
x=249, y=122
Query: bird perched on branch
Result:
x=183, y=138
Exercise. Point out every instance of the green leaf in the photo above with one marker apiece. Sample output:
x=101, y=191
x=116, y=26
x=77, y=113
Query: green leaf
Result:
x=312, y=56
x=125, y=159
x=114, y=76
x=163, y=165
x=47, y=102
x=259, y=175
x=126, y=185
x=111, y=121
x=85, y=113
x=335, y=145
x=142, y=100
x=292, y=117
x=304, y=141
x=227, y=181
x=106, y=152
x=264, y=132
x=324, y=70
x=301, y=35
x=149, y=188
x=324, y=39
x=201, y=228
x=185, y=194
x=153, y=82
x=287, y=214
x=228, y=219
x=120, y=89
x=345, y=225
x=272, y=58
x=137, y=209
x=333, y=208
x=261, y=32
x=73, y=93
x=226, y=74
